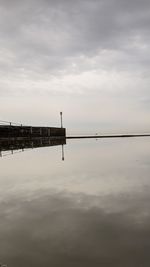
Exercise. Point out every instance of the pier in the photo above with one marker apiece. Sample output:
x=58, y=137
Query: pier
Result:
x=22, y=132
x=107, y=136
x=15, y=137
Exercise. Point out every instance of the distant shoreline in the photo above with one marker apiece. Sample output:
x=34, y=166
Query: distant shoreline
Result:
x=108, y=136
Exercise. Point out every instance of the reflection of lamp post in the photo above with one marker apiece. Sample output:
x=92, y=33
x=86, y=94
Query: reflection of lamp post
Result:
x=61, y=119
x=63, y=157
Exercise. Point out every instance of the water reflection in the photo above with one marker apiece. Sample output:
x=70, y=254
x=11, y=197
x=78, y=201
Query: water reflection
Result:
x=91, y=210
x=60, y=230
x=11, y=146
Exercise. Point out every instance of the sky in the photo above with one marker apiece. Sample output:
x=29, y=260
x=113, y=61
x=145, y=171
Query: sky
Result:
x=87, y=58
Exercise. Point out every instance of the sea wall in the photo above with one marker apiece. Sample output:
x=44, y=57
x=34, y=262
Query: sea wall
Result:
x=9, y=131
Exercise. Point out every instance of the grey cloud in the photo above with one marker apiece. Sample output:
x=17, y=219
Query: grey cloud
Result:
x=49, y=33
x=48, y=46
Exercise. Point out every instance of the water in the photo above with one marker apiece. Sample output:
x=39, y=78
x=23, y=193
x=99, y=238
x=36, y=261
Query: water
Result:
x=92, y=209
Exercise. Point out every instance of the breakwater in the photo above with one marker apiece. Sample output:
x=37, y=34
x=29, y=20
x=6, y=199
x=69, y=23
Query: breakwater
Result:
x=108, y=136
x=19, y=132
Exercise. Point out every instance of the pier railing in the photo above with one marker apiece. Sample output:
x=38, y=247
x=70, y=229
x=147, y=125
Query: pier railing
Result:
x=17, y=130
x=10, y=123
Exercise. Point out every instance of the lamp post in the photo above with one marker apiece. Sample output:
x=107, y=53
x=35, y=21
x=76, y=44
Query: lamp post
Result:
x=61, y=119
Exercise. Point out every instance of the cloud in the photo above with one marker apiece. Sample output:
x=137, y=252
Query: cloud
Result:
x=75, y=47
x=48, y=34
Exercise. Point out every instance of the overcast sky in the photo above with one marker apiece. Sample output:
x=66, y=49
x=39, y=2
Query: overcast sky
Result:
x=87, y=58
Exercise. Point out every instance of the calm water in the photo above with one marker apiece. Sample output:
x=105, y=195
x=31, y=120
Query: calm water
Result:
x=90, y=210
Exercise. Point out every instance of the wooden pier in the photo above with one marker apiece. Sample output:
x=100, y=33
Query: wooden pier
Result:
x=23, y=132
x=19, y=137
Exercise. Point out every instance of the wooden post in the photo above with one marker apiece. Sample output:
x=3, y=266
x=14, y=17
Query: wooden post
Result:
x=32, y=144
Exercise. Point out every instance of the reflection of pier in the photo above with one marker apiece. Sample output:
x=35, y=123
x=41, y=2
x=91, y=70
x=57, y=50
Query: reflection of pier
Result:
x=14, y=145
